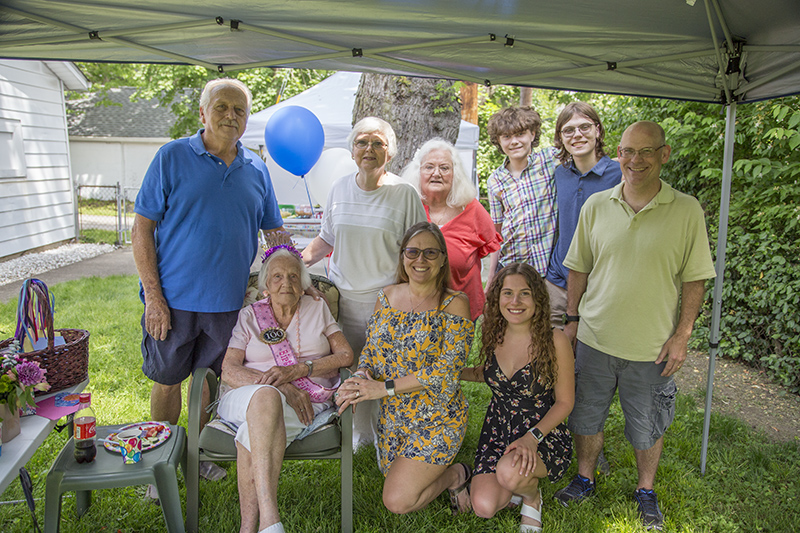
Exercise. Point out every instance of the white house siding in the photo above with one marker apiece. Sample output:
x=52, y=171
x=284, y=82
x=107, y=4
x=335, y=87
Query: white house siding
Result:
x=108, y=160
x=36, y=209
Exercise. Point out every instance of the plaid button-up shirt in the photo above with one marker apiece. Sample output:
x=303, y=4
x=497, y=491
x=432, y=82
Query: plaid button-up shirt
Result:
x=526, y=208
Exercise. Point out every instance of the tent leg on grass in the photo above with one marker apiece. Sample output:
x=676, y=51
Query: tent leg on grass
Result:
x=722, y=241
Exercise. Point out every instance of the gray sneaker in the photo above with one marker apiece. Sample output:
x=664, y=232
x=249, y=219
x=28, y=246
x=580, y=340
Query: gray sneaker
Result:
x=652, y=518
x=602, y=464
x=578, y=490
x=212, y=471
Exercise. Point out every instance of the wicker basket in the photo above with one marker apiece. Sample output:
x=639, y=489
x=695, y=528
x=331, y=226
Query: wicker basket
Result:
x=67, y=364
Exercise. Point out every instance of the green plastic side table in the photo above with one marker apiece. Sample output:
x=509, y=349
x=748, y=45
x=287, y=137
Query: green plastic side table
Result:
x=158, y=466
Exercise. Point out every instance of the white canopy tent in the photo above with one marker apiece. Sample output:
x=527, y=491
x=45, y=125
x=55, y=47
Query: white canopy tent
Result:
x=332, y=102
x=724, y=51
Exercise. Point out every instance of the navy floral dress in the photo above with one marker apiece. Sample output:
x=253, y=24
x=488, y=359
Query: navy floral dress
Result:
x=515, y=408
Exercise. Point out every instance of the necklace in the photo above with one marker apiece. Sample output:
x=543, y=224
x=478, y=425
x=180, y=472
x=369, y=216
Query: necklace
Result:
x=444, y=217
x=441, y=219
x=411, y=300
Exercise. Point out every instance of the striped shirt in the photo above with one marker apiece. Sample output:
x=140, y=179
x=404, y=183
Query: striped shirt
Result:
x=526, y=208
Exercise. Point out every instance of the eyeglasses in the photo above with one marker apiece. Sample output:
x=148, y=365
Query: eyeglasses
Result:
x=378, y=146
x=569, y=131
x=431, y=254
x=430, y=168
x=630, y=153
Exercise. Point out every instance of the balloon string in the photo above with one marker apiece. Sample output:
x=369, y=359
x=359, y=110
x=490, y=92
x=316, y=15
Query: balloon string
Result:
x=308, y=193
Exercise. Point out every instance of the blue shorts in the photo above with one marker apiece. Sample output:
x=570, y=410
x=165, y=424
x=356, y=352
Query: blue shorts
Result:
x=646, y=397
x=196, y=340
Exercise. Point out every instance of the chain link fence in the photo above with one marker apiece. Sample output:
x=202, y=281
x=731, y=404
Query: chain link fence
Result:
x=100, y=214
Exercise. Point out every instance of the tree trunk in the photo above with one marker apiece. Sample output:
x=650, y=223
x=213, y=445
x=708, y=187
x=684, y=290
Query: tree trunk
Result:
x=469, y=102
x=525, y=96
x=417, y=108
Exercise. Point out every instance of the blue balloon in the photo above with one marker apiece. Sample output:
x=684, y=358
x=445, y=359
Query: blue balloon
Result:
x=294, y=138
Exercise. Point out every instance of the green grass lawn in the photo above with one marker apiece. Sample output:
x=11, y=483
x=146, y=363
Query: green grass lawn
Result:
x=90, y=235
x=751, y=483
x=93, y=206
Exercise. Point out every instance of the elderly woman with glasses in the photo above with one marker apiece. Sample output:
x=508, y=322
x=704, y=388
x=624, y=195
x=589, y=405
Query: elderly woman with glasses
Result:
x=366, y=216
x=417, y=344
x=450, y=202
x=279, y=372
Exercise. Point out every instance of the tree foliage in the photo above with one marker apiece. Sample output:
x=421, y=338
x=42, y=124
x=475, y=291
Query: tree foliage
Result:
x=179, y=86
x=761, y=291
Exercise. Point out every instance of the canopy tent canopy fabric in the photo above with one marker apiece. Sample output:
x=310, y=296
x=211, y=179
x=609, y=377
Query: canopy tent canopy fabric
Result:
x=705, y=50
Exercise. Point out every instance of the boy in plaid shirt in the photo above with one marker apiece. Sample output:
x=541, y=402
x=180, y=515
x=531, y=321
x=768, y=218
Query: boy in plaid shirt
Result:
x=522, y=191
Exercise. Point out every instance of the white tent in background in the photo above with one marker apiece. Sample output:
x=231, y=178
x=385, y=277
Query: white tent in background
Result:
x=332, y=101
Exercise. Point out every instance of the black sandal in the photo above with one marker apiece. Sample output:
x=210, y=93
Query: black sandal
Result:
x=456, y=492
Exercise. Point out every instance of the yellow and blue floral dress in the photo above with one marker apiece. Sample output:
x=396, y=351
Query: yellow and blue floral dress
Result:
x=426, y=425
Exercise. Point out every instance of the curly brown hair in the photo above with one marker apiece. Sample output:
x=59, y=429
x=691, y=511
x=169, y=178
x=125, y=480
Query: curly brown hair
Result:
x=511, y=120
x=542, y=350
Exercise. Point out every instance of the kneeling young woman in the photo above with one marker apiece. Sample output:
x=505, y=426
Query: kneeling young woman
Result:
x=530, y=368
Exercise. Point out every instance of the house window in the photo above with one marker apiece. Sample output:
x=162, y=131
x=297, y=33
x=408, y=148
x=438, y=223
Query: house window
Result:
x=12, y=151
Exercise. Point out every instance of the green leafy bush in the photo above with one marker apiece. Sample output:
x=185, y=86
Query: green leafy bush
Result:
x=761, y=293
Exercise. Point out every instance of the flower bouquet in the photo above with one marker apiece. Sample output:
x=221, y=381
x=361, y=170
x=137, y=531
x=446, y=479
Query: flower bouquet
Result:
x=19, y=379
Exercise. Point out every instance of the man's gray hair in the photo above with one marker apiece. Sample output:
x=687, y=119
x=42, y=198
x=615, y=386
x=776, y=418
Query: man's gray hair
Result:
x=205, y=96
x=374, y=125
x=305, y=277
x=462, y=191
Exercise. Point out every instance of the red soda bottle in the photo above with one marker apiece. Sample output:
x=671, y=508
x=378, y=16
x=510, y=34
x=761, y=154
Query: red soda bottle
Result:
x=84, y=430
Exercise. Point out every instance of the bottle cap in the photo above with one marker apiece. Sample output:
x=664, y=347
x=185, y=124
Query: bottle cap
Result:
x=85, y=397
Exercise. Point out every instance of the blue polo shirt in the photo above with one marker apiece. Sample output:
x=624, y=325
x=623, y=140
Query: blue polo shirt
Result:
x=572, y=191
x=208, y=215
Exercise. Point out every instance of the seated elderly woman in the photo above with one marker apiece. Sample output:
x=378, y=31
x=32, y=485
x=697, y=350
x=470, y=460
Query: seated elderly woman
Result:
x=279, y=372
x=450, y=202
x=417, y=344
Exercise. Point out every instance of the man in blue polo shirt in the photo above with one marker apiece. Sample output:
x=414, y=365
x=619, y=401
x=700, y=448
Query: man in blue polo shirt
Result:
x=584, y=170
x=195, y=235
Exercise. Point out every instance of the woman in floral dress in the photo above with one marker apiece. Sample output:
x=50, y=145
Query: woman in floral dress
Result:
x=530, y=369
x=417, y=344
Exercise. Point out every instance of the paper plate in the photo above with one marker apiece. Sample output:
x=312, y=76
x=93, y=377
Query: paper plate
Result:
x=148, y=443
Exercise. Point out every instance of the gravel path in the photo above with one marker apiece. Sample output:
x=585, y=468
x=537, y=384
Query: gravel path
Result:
x=33, y=264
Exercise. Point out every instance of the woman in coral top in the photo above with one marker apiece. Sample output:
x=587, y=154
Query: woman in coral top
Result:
x=450, y=202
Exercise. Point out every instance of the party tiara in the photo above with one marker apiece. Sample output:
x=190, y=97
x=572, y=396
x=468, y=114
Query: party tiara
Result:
x=278, y=240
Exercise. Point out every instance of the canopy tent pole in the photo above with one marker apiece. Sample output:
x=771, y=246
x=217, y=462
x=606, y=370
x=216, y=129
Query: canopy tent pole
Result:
x=722, y=241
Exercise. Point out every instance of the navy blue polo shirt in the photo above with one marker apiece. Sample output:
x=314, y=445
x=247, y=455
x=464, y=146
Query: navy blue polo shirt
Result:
x=572, y=191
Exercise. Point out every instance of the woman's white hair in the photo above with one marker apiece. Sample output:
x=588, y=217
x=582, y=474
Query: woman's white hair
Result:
x=462, y=192
x=305, y=277
x=205, y=96
x=373, y=125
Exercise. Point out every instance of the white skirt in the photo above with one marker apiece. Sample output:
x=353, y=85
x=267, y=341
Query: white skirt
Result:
x=234, y=404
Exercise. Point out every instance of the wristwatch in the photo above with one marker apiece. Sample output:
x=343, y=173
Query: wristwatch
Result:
x=537, y=434
x=389, y=384
x=310, y=365
x=570, y=318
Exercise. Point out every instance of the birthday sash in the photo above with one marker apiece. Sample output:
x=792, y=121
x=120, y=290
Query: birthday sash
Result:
x=282, y=351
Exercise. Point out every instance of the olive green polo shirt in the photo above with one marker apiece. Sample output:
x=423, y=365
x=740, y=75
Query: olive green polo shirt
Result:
x=637, y=263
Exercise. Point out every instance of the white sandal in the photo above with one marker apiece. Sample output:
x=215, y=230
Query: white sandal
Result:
x=533, y=514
